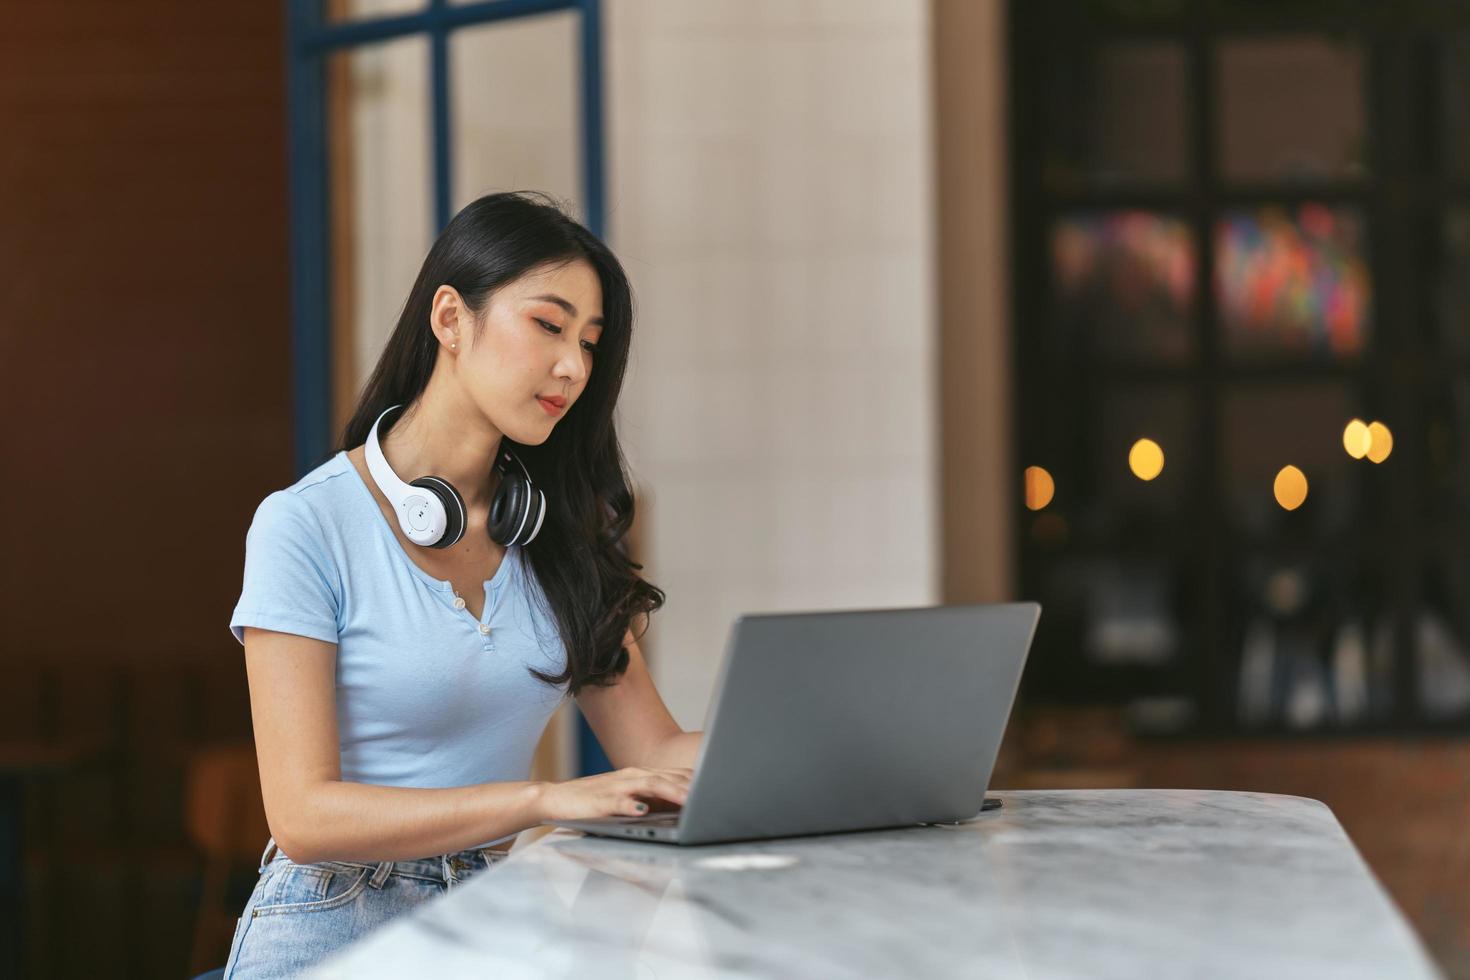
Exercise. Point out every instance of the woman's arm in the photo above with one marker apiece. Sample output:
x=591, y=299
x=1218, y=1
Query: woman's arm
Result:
x=632, y=722
x=312, y=814
x=679, y=751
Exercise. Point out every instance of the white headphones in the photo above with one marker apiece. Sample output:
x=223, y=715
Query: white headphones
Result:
x=437, y=519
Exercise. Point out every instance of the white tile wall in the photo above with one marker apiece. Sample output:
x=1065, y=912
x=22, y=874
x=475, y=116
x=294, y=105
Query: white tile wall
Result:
x=392, y=211
x=769, y=193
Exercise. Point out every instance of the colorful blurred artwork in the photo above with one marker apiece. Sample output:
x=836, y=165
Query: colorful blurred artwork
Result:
x=1124, y=282
x=1292, y=284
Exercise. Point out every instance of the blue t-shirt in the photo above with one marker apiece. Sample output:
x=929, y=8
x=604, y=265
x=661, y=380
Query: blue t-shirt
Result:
x=427, y=696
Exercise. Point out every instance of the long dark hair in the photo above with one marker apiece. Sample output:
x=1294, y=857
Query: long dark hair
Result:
x=579, y=557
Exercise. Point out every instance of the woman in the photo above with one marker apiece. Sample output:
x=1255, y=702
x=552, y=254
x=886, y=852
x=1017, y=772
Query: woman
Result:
x=401, y=674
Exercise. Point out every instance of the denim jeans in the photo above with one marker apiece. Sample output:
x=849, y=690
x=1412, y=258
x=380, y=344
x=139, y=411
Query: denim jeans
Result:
x=300, y=914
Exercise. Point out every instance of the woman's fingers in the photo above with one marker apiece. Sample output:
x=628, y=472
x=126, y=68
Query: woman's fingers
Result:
x=671, y=770
x=666, y=789
x=658, y=787
x=677, y=777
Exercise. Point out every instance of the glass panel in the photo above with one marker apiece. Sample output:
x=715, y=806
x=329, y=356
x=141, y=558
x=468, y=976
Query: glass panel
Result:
x=380, y=189
x=1312, y=639
x=516, y=111
x=1291, y=109
x=1293, y=283
x=1452, y=314
x=1116, y=630
x=1124, y=285
x=1119, y=11
x=1454, y=82
x=1256, y=12
x=1142, y=456
x=339, y=10
x=1128, y=609
x=1118, y=465
x=1269, y=427
x=1117, y=115
x=1445, y=450
x=1441, y=636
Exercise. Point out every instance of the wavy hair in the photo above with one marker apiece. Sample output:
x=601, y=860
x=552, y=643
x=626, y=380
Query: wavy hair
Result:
x=580, y=556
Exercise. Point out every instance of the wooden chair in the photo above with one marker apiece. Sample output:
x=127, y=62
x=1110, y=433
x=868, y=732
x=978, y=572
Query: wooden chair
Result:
x=225, y=820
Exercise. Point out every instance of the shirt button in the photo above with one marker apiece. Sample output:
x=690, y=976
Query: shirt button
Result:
x=485, y=629
x=459, y=602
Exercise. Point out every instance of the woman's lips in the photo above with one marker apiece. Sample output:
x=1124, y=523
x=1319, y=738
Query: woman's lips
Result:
x=549, y=407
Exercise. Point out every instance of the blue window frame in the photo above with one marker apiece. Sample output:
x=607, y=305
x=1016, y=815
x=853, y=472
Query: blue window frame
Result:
x=309, y=40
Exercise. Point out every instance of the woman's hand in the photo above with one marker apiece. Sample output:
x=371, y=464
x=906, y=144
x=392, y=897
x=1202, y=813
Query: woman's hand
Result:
x=621, y=793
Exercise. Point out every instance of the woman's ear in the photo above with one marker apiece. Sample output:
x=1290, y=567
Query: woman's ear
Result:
x=448, y=315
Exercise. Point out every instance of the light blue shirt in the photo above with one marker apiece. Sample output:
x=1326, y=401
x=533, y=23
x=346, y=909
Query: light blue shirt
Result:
x=427, y=695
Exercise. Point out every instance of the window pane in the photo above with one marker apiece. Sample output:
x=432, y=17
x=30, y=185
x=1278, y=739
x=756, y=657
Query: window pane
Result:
x=1445, y=451
x=1117, y=115
x=1452, y=282
x=1454, y=82
x=1142, y=488
x=1441, y=636
x=1116, y=629
x=1311, y=635
x=1268, y=427
x=338, y=10
x=1128, y=607
x=1118, y=11
x=516, y=111
x=380, y=195
x=1291, y=109
x=1108, y=487
x=1123, y=284
x=1293, y=281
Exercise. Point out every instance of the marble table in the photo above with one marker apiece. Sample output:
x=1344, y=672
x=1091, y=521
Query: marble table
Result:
x=1095, y=883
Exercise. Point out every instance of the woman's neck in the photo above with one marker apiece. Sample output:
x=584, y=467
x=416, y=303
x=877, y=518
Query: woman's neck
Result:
x=449, y=440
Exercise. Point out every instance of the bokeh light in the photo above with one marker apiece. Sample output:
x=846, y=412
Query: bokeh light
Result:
x=1380, y=442
x=1291, y=487
x=1146, y=459
x=1040, y=487
x=1356, y=438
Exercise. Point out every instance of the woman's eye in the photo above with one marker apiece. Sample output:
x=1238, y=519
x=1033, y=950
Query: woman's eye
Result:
x=588, y=347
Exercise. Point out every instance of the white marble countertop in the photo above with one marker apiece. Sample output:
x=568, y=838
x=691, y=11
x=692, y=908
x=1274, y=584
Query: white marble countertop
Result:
x=1095, y=883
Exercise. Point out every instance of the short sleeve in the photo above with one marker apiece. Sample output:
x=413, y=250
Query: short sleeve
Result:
x=291, y=582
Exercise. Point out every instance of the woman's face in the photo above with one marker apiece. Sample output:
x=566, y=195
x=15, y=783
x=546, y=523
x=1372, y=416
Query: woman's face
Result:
x=535, y=344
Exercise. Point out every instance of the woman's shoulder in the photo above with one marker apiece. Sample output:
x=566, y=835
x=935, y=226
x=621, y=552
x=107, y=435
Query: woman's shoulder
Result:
x=319, y=497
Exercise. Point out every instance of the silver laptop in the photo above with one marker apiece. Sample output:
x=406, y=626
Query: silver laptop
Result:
x=835, y=721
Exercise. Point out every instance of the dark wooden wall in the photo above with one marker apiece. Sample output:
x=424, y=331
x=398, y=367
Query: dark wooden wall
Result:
x=144, y=351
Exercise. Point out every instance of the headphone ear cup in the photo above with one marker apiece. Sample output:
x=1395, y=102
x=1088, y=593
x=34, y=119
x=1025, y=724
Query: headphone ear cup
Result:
x=508, y=510
x=454, y=509
x=538, y=514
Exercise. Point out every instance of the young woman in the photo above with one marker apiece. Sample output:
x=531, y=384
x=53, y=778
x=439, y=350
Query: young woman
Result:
x=404, y=656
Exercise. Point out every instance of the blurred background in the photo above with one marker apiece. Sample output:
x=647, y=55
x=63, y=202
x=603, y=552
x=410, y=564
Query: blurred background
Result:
x=1154, y=311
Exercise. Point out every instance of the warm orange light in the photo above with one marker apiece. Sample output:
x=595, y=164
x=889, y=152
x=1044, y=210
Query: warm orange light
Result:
x=1039, y=487
x=1291, y=487
x=1356, y=439
x=1380, y=442
x=1146, y=459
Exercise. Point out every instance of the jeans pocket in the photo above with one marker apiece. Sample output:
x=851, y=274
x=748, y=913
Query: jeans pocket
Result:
x=310, y=888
